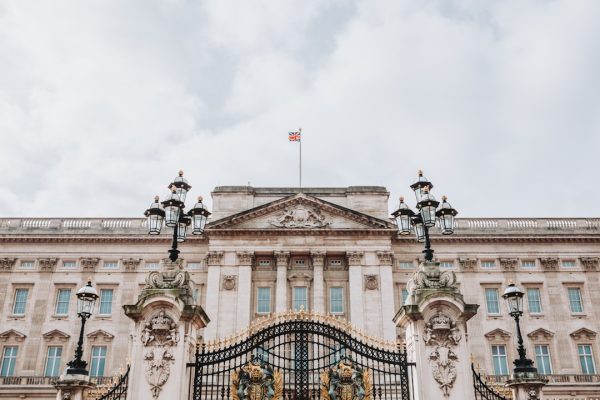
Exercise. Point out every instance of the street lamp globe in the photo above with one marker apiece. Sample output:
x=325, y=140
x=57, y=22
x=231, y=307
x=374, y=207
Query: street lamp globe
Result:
x=86, y=299
x=155, y=215
x=446, y=216
x=403, y=216
x=184, y=222
x=427, y=206
x=514, y=299
x=417, y=222
x=199, y=216
x=172, y=206
x=181, y=186
x=420, y=184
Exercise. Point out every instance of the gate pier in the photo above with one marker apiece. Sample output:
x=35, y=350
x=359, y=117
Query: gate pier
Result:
x=434, y=319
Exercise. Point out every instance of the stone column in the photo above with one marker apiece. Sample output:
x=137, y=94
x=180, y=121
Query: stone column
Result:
x=213, y=289
x=526, y=386
x=355, y=288
x=387, y=294
x=282, y=259
x=164, y=330
x=244, y=293
x=73, y=387
x=318, y=261
x=434, y=320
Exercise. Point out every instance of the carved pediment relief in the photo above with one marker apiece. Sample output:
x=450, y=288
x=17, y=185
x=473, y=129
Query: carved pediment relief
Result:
x=540, y=333
x=100, y=335
x=12, y=334
x=55, y=335
x=497, y=334
x=583, y=333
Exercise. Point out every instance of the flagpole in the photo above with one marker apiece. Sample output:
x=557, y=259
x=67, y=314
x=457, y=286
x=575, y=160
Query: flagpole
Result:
x=300, y=169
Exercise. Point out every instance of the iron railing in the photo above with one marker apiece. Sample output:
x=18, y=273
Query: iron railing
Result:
x=119, y=390
x=483, y=390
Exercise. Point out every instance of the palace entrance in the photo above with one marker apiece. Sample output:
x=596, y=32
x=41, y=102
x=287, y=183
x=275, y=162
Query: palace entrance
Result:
x=301, y=356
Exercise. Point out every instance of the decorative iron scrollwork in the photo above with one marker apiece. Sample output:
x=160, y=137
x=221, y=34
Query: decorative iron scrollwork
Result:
x=256, y=380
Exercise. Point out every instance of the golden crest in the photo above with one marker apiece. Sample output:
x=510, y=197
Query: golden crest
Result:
x=346, y=382
x=256, y=381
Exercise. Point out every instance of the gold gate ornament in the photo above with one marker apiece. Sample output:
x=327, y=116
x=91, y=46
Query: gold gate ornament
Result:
x=346, y=381
x=256, y=380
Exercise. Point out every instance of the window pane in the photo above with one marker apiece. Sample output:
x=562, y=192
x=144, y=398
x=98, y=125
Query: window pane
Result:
x=300, y=298
x=499, y=360
x=62, y=301
x=404, y=295
x=488, y=264
x=264, y=300
x=106, y=296
x=528, y=264
x=542, y=359
x=53, y=361
x=533, y=300
x=9, y=358
x=20, y=301
x=575, y=300
x=406, y=265
x=586, y=359
x=98, y=360
x=336, y=300
x=491, y=299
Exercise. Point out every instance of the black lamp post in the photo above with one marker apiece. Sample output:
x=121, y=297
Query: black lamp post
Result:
x=170, y=211
x=514, y=301
x=86, y=299
x=427, y=215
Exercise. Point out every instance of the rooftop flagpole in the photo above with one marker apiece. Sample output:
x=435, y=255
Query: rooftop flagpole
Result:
x=300, y=169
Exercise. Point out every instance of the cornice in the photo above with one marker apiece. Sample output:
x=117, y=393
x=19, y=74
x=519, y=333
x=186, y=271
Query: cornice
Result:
x=508, y=238
x=49, y=238
x=300, y=232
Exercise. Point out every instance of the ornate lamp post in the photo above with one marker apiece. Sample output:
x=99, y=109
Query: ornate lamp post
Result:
x=171, y=213
x=427, y=215
x=86, y=299
x=514, y=302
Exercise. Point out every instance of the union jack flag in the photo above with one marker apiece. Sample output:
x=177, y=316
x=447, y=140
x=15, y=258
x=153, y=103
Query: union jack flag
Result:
x=294, y=136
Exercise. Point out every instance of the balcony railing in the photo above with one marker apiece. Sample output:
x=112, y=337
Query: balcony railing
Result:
x=46, y=380
x=558, y=379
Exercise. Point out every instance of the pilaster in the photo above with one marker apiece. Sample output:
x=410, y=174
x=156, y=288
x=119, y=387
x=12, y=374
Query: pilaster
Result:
x=244, y=286
x=355, y=288
x=213, y=289
x=282, y=259
x=387, y=294
x=318, y=262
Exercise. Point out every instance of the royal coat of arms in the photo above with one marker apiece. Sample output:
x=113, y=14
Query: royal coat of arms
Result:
x=256, y=380
x=346, y=381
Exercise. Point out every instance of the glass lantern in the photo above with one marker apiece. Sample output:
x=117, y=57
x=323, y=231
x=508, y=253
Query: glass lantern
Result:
x=403, y=215
x=417, y=222
x=181, y=186
x=172, y=206
x=514, y=299
x=155, y=216
x=446, y=216
x=427, y=207
x=182, y=225
x=420, y=184
x=86, y=299
x=199, y=216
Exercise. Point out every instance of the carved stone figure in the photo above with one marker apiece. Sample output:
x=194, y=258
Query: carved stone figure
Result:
x=346, y=381
x=300, y=217
x=256, y=381
x=159, y=335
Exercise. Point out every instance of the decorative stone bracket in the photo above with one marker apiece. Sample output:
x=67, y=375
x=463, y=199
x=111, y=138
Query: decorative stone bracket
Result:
x=47, y=264
x=89, y=264
x=7, y=264
x=549, y=263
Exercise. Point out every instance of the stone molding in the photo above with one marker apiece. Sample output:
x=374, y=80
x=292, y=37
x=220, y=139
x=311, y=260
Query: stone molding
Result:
x=229, y=282
x=497, y=334
x=385, y=257
x=245, y=257
x=467, y=264
x=11, y=333
x=590, y=263
x=89, y=264
x=282, y=258
x=47, y=264
x=214, y=258
x=56, y=335
x=549, y=263
x=100, y=334
x=300, y=216
x=354, y=257
x=317, y=258
x=131, y=264
x=540, y=333
x=371, y=282
x=509, y=264
x=7, y=264
x=583, y=333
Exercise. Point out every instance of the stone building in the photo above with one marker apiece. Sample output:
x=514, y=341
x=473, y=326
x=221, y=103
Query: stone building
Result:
x=326, y=250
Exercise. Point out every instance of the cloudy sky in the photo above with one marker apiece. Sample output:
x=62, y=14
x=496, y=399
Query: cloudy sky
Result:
x=102, y=102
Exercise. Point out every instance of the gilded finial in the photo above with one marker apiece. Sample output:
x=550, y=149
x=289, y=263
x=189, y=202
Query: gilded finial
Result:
x=444, y=198
x=156, y=198
x=180, y=172
x=200, y=198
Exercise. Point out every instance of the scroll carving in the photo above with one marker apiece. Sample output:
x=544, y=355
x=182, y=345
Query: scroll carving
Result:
x=590, y=263
x=214, y=257
x=385, y=257
x=354, y=257
x=229, y=282
x=371, y=282
x=172, y=276
x=245, y=257
x=47, y=264
x=89, y=264
x=7, y=264
x=429, y=276
x=508, y=264
x=549, y=263
x=467, y=263
x=300, y=217
x=131, y=264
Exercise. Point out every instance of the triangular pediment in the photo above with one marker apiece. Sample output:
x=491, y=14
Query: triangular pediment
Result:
x=300, y=212
x=11, y=333
x=497, y=334
x=540, y=333
x=583, y=333
x=55, y=334
x=100, y=334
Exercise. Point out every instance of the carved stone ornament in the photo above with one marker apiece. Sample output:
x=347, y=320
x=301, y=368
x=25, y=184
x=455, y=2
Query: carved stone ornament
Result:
x=371, y=282
x=467, y=263
x=509, y=264
x=346, y=381
x=590, y=263
x=442, y=336
x=47, y=264
x=282, y=258
x=89, y=264
x=549, y=263
x=229, y=282
x=131, y=264
x=300, y=216
x=7, y=264
x=354, y=257
x=214, y=258
x=318, y=258
x=245, y=257
x=256, y=380
x=172, y=276
x=385, y=257
x=429, y=276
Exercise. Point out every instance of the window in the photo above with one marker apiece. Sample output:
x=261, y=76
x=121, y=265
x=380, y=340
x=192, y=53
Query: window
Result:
x=337, y=353
x=586, y=359
x=264, y=263
x=98, y=361
x=568, y=264
x=542, y=359
x=53, y=361
x=62, y=301
x=406, y=265
x=151, y=265
x=194, y=265
x=335, y=262
x=404, y=295
x=300, y=262
x=263, y=304
x=196, y=296
x=575, y=300
x=336, y=300
x=447, y=264
x=491, y=301
x=106, y=297
x=499, y=360
x=27, y=265
x=528, y=264
x=300, y=298
x=69, y=265
x=9, y=358
x=20, y=301
x=111, y=265
x=488, y=264
x=533, y=300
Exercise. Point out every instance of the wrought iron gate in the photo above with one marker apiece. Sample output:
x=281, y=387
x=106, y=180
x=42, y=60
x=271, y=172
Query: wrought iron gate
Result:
x=304, y=356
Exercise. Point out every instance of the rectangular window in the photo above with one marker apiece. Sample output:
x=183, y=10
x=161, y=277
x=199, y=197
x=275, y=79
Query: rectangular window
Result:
x=491, y=301
x=499, y=360
x=404, y=295
x=27, y=265
x=151, y=265
x=263, y=304
x=528, y=264
x=336, y=262
x=488, y=264
x=53, y=361
x=194, y=265
x=568, y=264
x=447, y=264
x=98, y=361
x=111, y=265
x=406, y=265
x=63, y=298
x=69, y=265
x=106, y=298
x=575, y=300
x=300, y=262
x=196, y=296
x=542, y=359
x=9, y=358
x=533, y=300
x=586, y=359
x=20, y=301
x=336, y=300
x=264, y=263
x=301, y=298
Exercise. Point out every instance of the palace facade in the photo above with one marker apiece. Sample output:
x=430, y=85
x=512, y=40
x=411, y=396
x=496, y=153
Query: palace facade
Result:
x=325, y=250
